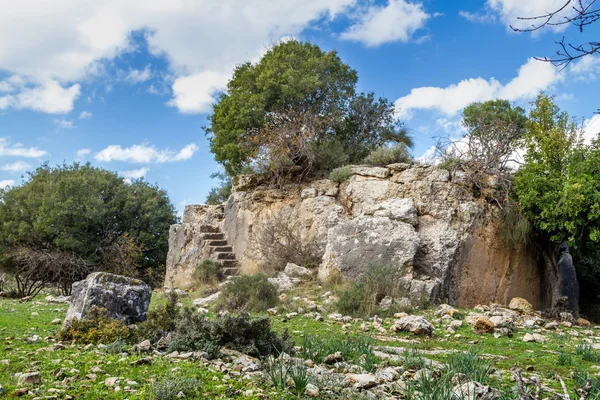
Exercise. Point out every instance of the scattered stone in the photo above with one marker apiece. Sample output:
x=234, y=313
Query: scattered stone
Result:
x=413, y=323
x=29, y=378
x=124, y=298
x=57, y=300
x=56, y=321
x=362, y=381
x=112, y=381
x=282, y=281
x=333, y=358
x=142, y=361
x=535, y=337
x=144, y=347
x=475, y=391
x=551, y=325
x=20, y=392
x=483, y=324
x=272, y=311
x=202, y=310
x=204, y=301
x=583, y=322
x=296, y=271
x=445, y=309
x=312, y=390
x=520, y=305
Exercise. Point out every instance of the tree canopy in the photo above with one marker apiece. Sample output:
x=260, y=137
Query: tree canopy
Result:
x=87, y=212
x=295, y=108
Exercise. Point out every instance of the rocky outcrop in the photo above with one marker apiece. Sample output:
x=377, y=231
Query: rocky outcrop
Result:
x=422, y=219
x=125, y=299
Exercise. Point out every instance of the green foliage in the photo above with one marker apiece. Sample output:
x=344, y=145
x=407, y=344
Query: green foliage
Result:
x=96, y=328
x=340, y=174
x=295, y=111
x=587, y=353
x=208, y=272
x=361, y=298
x=86, y=211
x=355, y=349
x=383, y=156
x=249, y=293
x=278, y=371
x=516, y=228
x=413, y=359
x=170, y=387
x=219, y=194
x=161, y=320
x=299, y=374
x=252, y=336
x=564, y=359
x=471, y=364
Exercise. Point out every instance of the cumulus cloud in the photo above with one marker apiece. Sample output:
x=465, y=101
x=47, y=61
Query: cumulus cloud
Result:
x=483, y=17
x=395, y=22
x=18, y=150
x=6, y=183
x=85, y=115
x=17, y=166
x=83, y=153
x=196, y=93
x=72, y=38
x=138, y=76
x=134, y=174
x=509, y=11
x=532, y=77
x=49, y=97
x=144, y=154
x=586, y=69
x=63, y=123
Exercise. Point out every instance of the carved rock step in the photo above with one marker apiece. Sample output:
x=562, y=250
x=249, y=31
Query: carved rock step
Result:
x=229, y=263
x=209, y=229
x=212, y=236
x=225, y=256
x=229, y=271
x=221, y=249
x=218, y=243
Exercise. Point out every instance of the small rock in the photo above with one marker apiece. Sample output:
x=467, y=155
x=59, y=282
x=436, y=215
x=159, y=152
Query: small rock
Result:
x=475, y=390
x=333, y=358
x=520, y=305
x=282, y=281
x=56, y=321
x=583, y=322
x=202, y=310
x=445, y=309
x=312, y=390
x=535, y=337
x=112, y=381
x=413, y=323
x=202, y=302
x=551, y=325
x=144, y=347
x=362, y=381
x=296, y=271
x=483, y=325
x=29, y=378
x=272, y=311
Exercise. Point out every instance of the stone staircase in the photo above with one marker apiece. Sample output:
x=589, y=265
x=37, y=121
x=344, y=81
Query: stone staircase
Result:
x=218, y=247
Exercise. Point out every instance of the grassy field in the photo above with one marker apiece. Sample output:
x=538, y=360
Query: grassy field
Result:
x=28, y=343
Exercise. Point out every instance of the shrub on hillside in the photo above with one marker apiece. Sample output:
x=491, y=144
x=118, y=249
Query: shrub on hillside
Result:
x=383, y=156
x=248, y=293
x=252, y=336
x=170, y=388
x=362, y=297
x=340, y=174
x=96, y=328
x=278, y=242
x=208, y=272
x=161, y=320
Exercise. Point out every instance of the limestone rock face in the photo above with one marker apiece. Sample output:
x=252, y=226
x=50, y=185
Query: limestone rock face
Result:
x=421, y=219
x=354, y=245
x=124, y=298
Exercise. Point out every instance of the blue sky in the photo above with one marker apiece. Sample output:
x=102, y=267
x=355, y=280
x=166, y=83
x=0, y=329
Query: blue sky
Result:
x=127, y=85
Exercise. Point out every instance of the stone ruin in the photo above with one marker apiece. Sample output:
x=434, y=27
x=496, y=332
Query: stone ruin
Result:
x=421, y=218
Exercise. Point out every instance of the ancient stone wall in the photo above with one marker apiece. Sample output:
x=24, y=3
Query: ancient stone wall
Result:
x=419, y=218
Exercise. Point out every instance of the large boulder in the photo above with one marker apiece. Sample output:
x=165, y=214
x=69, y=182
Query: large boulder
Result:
x=413, y=323
x=124, y=298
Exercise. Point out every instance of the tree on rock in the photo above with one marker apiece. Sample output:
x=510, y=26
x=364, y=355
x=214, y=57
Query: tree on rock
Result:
x=296, y=111
x=70, y=220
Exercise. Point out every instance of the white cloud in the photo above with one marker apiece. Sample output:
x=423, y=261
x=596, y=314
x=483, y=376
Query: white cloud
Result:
x=85, y=115
x=591, y=128
x=6, y=183
x=532, y=77
x=479, y=18
x=509, y=12
x=72, y=38
x=143, y=154
x=49, y=97
x=17, y=166
x=63, y=123
x=83, y=153
x=395, y=22
x=18, y=150
x=134, y=174
x=586, y=69
x=195, y=93
x=138, y=76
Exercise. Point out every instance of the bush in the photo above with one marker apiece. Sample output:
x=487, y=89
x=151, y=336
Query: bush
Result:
x=161, y=320
x=361, y=298
x=356, y=349
x=248, y=293
x=252, y=336
x=169, y=388
x=341, y=174
x=96, y=328
x=279, y=242
x=208, y=272
x=383, y=156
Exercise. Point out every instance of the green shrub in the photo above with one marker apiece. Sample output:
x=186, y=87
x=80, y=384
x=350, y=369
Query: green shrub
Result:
x=252, y=336
x=355, y=349
x=516, y=228
x=565, y=359
x=341, y=174
x=116, y=347
x=161, y=320
x=383, y=156
x=299, y=375
x=248, y=293
x=470, y=364
x=587, y=353
x=96, y=328
x=208, y=272
x=169, y=388
x=361, y=298
x=278, y=371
